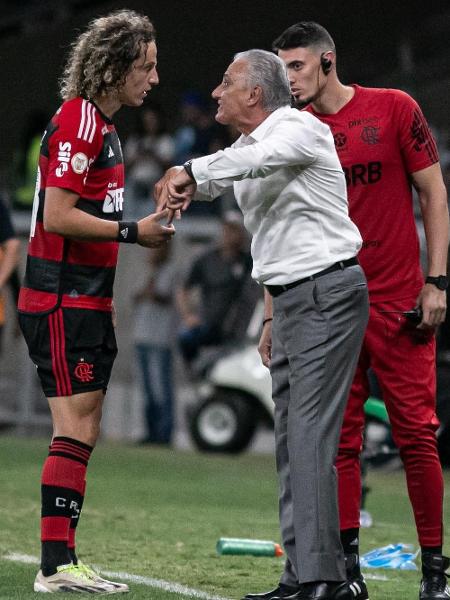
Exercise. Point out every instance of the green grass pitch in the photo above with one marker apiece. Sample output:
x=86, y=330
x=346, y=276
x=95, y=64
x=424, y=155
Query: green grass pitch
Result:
x=158, y=514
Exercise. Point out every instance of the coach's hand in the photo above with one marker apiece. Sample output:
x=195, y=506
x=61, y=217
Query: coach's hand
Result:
x=150, y=231
x=265, y=344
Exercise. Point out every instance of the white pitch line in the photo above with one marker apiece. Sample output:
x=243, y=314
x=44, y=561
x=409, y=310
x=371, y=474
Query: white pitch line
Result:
x=168, y=586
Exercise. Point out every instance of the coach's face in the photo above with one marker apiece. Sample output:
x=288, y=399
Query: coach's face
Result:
x=232, y=94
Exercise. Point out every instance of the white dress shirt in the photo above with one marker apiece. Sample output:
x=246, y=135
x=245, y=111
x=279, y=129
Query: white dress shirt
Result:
x=290, y=186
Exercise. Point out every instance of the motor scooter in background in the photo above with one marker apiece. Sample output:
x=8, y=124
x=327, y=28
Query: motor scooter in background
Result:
x=233, y=397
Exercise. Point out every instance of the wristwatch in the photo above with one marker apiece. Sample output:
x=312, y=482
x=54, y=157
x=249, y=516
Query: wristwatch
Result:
x=188, y=168
x=441, y=281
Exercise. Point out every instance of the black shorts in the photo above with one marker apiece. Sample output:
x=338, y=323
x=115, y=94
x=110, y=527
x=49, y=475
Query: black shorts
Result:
x=73, y=349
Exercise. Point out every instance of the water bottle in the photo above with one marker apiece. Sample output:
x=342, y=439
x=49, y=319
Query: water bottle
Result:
x=245, y=546
x=394, y=556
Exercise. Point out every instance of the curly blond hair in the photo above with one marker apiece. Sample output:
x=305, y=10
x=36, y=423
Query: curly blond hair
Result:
x=101, y=57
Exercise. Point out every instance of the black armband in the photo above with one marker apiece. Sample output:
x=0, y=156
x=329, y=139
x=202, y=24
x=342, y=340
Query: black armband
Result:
x=188, y=168
x=128, y=232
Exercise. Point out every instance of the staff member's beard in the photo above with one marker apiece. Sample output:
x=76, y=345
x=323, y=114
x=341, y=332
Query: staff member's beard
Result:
x=295, y=103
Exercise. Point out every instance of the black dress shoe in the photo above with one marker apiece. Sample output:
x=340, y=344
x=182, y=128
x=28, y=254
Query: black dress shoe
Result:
x=322, y=590
x=280, y=592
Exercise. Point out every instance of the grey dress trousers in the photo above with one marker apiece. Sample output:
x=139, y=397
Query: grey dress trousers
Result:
x=317, y=332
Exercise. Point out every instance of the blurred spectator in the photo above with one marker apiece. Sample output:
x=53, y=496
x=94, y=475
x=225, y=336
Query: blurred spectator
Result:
x=198, y=134
x=154, y=329
x=227, y=294
x=9, y=257
x=26, y=161
x=148, y=152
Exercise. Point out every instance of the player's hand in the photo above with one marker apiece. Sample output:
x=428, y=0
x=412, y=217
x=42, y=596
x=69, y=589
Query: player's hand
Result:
x=150, y=231
x=265, y=344
x=434, y=305
x=159, y=189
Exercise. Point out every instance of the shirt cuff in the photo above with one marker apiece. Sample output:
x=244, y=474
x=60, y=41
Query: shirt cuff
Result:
x=200, y=169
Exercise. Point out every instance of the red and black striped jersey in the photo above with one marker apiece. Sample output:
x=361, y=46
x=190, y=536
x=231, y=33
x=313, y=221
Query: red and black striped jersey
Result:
x=80, y=152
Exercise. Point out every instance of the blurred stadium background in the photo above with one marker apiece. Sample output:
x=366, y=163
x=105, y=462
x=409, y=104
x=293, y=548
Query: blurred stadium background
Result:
x=379, y=43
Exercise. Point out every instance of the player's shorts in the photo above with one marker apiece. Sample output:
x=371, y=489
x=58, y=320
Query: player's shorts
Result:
x=73, y=349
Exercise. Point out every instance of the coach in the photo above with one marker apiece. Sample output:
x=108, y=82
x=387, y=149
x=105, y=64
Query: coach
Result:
x=289, y=184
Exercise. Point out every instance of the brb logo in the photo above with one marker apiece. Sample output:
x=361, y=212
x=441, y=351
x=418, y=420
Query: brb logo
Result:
x=361, y=174
x=63, y=157
x=113, y=201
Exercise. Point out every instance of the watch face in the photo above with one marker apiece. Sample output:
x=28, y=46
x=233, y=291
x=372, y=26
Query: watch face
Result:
x=442, y=282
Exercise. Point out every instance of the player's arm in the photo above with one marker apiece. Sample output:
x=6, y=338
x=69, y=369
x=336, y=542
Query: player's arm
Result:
x=63, y=217
x=433, y=204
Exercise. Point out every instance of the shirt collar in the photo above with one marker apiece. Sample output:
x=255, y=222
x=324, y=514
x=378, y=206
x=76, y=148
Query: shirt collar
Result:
x=259, y=133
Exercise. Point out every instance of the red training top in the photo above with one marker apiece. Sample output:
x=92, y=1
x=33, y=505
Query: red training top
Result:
x=381, y=137
x=80, y=152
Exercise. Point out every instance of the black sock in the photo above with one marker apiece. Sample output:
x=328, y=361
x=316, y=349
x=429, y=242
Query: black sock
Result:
x=436, y=550
x=431, y=549
x=350, y=540
x=54, y=554
x=73, y=555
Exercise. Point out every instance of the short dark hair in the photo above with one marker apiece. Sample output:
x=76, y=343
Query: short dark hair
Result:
x=303, y=35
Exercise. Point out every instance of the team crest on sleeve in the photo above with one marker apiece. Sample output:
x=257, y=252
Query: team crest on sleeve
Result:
x=79, y=162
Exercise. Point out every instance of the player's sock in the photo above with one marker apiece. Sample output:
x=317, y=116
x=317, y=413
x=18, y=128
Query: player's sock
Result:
x=62, y=490
x=73, y=527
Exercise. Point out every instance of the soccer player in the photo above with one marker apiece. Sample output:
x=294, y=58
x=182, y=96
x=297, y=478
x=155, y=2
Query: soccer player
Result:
x=385, y=145
x=65, y=303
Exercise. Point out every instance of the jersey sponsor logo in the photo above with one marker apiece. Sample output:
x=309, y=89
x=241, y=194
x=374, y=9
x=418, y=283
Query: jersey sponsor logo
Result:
x=370, y=135
x=340, y=139
x=360, y=174
x=79, y=162
x=88, y=124
x=362, y=121
x=84, y=371
x=113, y=201
x=64, y=150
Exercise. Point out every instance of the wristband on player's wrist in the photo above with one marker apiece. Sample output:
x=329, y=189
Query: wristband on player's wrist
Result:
x=267, y=320
x=128, y=232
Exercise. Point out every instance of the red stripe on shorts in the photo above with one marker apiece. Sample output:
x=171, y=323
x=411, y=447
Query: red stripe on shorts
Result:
x=59, y=363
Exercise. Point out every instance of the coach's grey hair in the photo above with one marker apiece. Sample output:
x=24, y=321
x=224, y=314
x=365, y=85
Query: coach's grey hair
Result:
x=267, y=71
